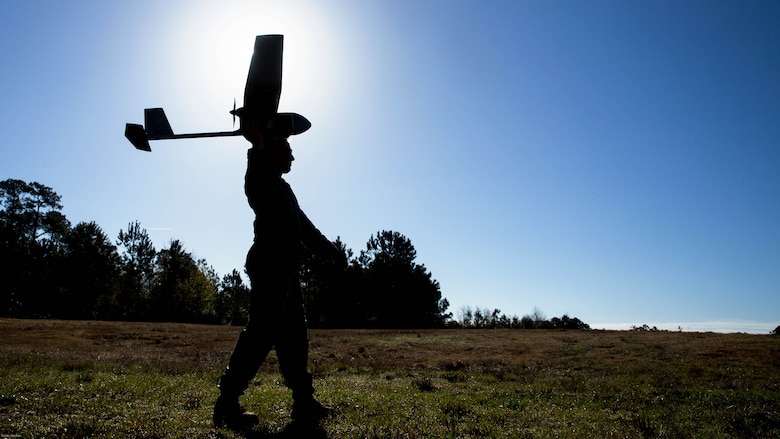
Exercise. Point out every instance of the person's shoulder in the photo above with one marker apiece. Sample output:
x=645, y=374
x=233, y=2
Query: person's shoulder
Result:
x=283, y=183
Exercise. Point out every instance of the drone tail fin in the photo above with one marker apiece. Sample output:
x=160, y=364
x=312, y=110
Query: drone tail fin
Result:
x=137, y=136
x=157, y=125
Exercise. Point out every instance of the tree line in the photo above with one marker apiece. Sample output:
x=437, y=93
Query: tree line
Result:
x=484, y=318
x=55, y=270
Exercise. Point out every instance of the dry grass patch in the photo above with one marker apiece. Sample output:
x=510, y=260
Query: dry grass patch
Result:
x=115, y=379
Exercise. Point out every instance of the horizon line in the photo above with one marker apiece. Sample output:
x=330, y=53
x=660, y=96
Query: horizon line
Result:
x=720, y=326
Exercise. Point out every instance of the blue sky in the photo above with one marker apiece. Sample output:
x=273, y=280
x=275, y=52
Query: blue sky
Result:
x=616, y=161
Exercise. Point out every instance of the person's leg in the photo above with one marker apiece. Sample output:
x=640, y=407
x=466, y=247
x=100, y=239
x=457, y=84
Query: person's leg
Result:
x=252, y=347
x=292, y=349
x=249, y=353
x=256, y=340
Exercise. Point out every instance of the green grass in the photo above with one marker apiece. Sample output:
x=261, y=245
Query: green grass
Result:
x=385, y=384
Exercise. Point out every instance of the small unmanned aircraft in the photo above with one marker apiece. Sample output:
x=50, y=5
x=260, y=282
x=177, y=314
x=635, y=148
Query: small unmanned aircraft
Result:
x=261, y=102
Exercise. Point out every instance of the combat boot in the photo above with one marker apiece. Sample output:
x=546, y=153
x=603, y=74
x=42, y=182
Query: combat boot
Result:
x=309, y=410
x=228, y=413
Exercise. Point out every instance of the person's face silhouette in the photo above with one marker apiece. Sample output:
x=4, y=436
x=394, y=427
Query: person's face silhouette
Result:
x=283, y=157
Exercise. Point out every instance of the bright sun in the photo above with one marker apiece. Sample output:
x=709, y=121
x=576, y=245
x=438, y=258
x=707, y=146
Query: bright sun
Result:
x=220, y=39
x=207, y=57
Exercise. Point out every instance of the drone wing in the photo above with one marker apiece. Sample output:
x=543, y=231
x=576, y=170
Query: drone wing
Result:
x=264, y=82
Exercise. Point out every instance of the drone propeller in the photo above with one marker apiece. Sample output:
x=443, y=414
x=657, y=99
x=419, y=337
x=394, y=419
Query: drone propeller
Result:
x=234, y=112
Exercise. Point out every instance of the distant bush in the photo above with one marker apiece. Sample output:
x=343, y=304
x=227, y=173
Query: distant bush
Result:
x=776, y=331
x=483, y=318
x=644, y=327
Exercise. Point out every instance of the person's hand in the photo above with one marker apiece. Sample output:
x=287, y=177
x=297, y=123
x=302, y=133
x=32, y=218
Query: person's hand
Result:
x=251, y=131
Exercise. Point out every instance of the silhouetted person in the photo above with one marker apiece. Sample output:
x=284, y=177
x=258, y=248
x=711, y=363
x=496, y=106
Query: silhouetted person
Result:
x=276, y=314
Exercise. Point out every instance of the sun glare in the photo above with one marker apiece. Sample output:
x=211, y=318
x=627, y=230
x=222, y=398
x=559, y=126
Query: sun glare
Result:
x=208, y=53
x=216, y=44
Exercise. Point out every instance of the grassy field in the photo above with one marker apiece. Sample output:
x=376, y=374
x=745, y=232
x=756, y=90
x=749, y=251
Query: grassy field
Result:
x=72, y=379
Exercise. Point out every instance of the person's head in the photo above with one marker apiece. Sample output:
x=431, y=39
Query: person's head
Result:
x=278, y=155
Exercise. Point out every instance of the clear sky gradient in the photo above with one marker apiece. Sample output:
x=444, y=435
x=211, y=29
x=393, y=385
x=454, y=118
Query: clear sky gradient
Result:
x=616, y=161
